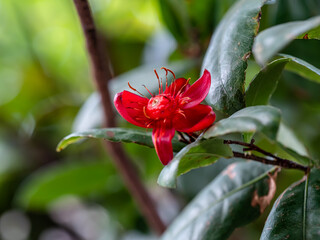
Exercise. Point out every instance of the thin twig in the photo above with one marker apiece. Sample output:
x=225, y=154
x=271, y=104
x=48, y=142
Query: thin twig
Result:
x=285, y=163
x=182, y=138
x=101, y=73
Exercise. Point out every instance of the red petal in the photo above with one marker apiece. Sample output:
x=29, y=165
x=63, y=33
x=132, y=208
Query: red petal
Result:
x=130, y=107
x=198, y=91
x=162, y=136
x=194, y=119
x=179, y=84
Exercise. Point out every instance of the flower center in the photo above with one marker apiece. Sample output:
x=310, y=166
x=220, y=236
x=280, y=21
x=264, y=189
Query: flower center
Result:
x=160, y=106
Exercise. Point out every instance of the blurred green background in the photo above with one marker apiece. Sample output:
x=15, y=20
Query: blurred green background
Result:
x=45, y=80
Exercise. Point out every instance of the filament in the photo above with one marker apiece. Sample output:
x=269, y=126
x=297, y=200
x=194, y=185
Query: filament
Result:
x=136, y=90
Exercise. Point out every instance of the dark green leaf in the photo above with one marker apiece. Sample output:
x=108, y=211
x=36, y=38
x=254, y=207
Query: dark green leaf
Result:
x=226, y=57
x=198, y=154
x=175, y=16
x=127, y=135
x=264, y=84
x=265, y=119
x=270, y=41
x=225, y=204
x=289, y=142
x=51, y=183
x=302, y=68
x=295, y=214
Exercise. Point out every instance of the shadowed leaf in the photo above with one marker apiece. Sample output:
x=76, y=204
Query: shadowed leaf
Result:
x=264, y=83
x=234, y=198
x=299, y=205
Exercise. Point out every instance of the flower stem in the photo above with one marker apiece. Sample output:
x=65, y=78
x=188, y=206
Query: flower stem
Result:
x=101, y=74
x=285, y=163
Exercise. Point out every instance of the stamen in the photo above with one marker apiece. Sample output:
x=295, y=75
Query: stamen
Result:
x=166, y=76
x=157, y=78
x=187, y=82
x=185, y=100
x=181, y=112
x=161, y=86
x=147, y=90
x=144, y=112
x=136, y=90
x=168, y=70
x=148, y=124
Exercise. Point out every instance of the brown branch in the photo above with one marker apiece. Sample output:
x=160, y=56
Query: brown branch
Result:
x=285, y=163
x=101, y=74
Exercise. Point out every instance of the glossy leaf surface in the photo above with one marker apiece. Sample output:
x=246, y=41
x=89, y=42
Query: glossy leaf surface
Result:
x=226, y=57
x=265, y=119
x=302, y=68
x=226, y=203
x=270, y=41
x=264, y=83
x=295, y=214
x=198, y=154
x=290, y=143
x=127, y=135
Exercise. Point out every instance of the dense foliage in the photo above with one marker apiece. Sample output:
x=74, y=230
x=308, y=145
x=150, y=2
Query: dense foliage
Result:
x=263, y=57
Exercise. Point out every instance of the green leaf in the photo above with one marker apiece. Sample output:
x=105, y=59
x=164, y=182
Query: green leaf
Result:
x=226, y=57
x=126, y=135
x=91, y=113
x=312, y=34
x=264, y=84
x=225, y=204
x=289, y=142
x=270, y=41
x=53, y=182
x=302, y=68
x=295, y=214
x=175, y=16
x=198, y=154
x=265, y=119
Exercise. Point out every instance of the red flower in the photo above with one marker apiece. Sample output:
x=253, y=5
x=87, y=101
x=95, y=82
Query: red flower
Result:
x=176, y=108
